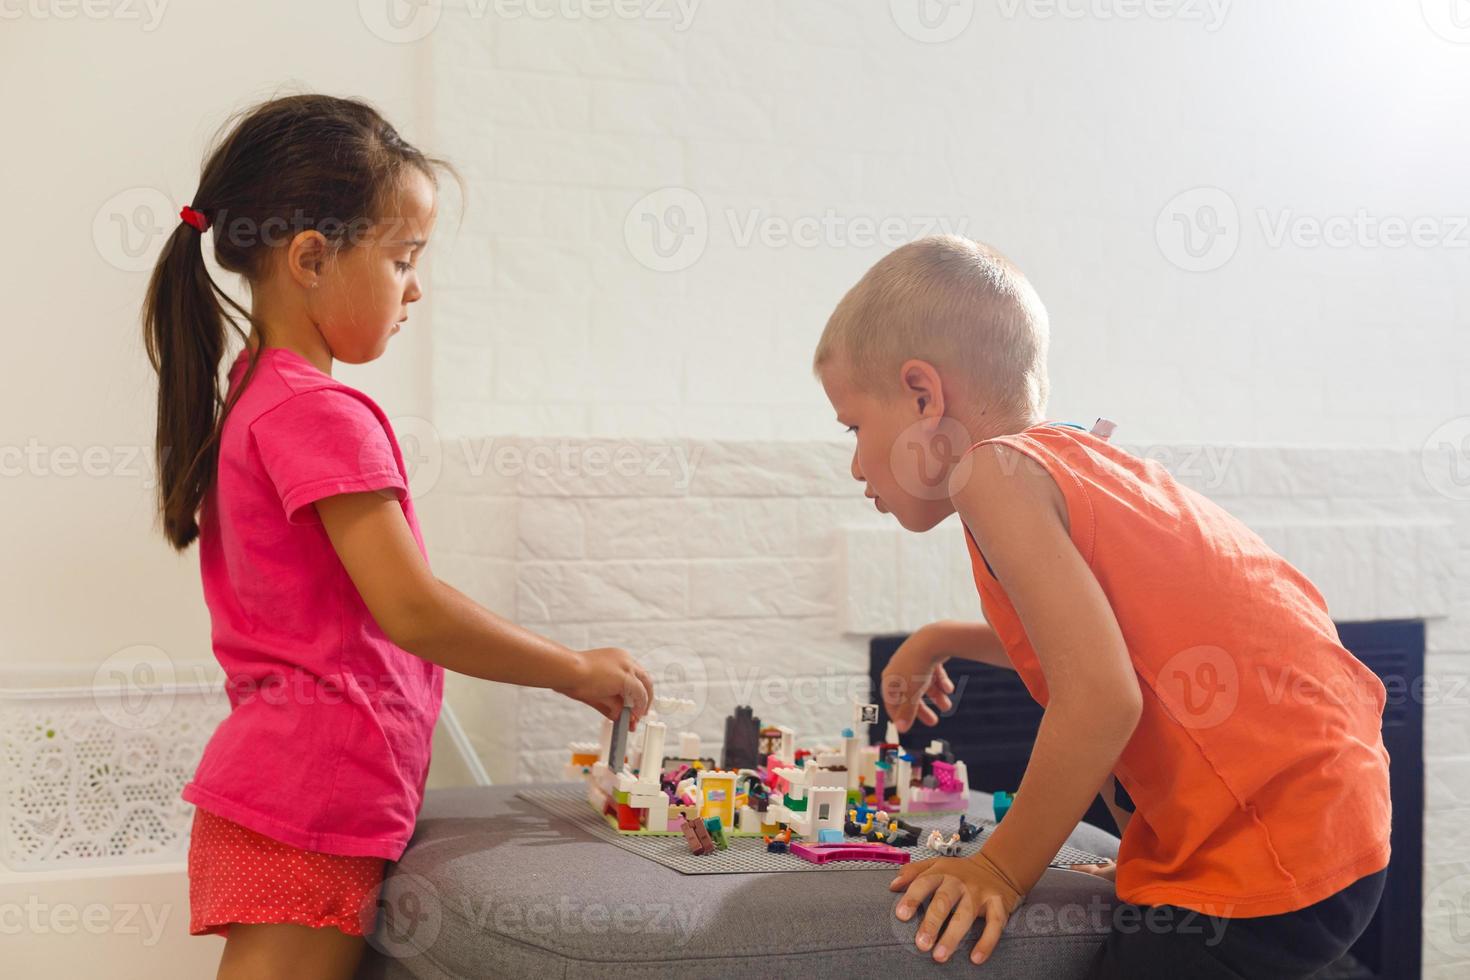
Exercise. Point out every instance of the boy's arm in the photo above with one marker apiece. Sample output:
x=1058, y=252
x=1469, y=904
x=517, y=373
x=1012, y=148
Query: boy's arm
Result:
x=968, y=641
x=1014, y=509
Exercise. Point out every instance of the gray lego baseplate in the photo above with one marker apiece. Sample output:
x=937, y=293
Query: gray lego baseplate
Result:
x=746, y=855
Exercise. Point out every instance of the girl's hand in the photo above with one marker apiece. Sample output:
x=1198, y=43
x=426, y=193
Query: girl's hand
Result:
x=609, y=678
x=916, y=671
x=967, y=887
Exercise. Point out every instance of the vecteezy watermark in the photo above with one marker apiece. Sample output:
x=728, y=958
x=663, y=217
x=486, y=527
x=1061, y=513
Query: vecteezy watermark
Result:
x=924, y=457
x=407, y=21
x=403, y=918
x=1209, y=13
x=1200, y=686
x=1450, y=19
x=574, y=459
x=149, y=13
x=134, y=688
x=1098, y=915
x=1201, y=229
x=567, y=915
x=1202, y=467
x=406, y=917
x=932, y=21
x=1447, y=916
x=1445, y=459
x=37, y=459
x=129, y=225
x=1363, y=229
x=33, y=917
x=669, y=229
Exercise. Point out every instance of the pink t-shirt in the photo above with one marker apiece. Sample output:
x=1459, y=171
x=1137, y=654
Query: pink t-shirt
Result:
x=327, y=743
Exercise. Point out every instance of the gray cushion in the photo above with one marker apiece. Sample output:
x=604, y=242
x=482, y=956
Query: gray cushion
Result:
x=493, y=886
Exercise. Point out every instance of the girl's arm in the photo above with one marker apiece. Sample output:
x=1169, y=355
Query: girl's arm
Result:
x=433, y=620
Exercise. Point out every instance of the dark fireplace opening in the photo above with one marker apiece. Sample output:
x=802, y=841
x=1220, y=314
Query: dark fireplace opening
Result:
x=994, y=723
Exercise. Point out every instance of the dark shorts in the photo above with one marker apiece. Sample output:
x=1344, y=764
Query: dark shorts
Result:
x=1174, y=943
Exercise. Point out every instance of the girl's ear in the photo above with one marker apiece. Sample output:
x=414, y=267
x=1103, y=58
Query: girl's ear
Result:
x=306, y=256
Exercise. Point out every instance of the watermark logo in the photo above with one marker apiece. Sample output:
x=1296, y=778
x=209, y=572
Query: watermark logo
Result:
x=1449, y=901
x=667, y=230
x=1450, y=19
x=404, y=918
x=932, y=21
x=400, y=21
x=1200, y=686
x=1446, y=459
x=422, y=451
x=679, y=672
x=925, y=454
x=128, y=227
x=1199, y=230
x=133, y=688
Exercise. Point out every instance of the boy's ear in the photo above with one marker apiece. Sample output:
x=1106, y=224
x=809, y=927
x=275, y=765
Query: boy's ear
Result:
x=923, y=388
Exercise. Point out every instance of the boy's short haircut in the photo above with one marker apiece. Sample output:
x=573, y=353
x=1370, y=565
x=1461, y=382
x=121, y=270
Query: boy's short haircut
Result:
x=956, y=303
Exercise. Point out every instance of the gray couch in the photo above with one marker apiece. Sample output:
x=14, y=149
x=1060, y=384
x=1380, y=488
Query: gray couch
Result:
x=493, y=886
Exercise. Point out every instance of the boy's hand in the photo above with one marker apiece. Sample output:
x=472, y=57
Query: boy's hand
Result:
x=967, y=887
x=608, y=679
x=1108, y=869
x=914, y=672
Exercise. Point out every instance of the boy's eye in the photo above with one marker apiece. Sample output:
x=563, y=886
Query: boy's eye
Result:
x=403, y=266
x=852, y=429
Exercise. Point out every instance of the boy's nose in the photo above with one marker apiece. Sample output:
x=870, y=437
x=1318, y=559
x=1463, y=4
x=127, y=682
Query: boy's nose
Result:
x=857, y=473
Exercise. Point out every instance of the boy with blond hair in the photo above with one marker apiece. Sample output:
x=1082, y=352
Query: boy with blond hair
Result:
x=1172, y=650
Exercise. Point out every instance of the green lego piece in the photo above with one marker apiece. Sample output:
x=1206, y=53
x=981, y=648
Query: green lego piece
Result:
x=716, y=832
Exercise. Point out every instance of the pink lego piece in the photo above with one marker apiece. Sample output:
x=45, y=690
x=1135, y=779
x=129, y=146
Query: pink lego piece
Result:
x=850, y=851
x=945, y=777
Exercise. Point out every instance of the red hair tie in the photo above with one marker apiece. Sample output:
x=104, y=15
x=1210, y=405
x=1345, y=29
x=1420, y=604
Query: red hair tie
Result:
x=198, y=219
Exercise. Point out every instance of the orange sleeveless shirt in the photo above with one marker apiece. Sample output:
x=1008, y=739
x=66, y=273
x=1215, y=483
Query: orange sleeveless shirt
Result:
x=1257, y=769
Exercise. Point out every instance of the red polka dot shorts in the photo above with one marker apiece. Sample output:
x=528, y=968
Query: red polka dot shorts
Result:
x=238, y=875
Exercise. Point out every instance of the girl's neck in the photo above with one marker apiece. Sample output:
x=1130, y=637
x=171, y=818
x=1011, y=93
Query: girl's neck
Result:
x=319, y=357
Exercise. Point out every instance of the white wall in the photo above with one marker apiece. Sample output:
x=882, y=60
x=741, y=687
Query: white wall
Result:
x=102, y=116
x=1065, y=140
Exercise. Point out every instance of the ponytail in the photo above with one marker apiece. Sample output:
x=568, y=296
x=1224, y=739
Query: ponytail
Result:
x=185, y=335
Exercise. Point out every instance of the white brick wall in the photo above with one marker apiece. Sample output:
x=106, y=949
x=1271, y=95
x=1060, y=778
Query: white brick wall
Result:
x=756, y=572
x=1068, y=141
x=1062, y=138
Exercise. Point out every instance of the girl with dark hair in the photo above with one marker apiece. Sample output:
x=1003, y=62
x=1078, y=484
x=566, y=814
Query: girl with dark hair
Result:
x=332, y=631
